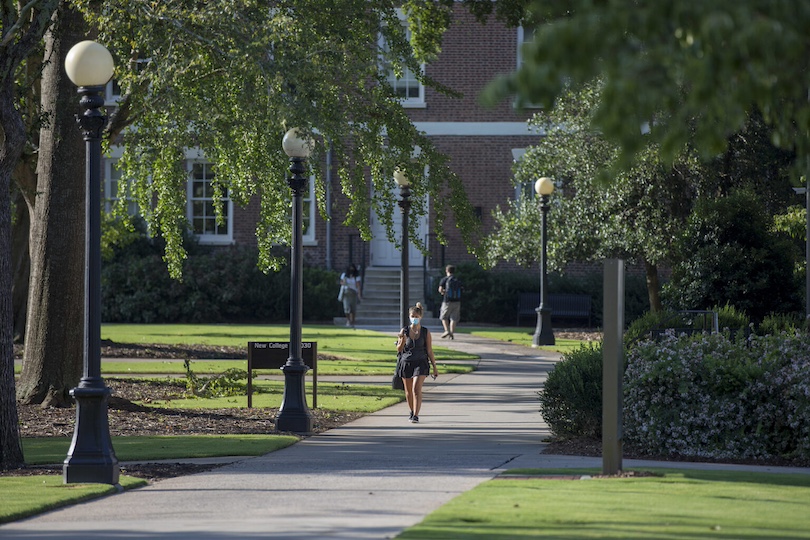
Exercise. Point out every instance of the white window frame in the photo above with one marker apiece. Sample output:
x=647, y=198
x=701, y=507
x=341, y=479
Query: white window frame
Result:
x=524, y=36
x=525, y=188
x=207, y=238
x=109, y=164
x=112, y=93
x=409, y=77
x=308, y=218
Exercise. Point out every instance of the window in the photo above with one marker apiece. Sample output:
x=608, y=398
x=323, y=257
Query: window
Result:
x=112, y=184
x=202, y=215
x=308, y=211
x=524, y=189
x=407, y=87
x=524, y=36
x=112, y=93
x=308, y=220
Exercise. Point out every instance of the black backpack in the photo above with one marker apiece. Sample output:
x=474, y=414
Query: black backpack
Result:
x=452, y=289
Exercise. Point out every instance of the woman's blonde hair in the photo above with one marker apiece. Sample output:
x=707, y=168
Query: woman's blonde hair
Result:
x=416, y=310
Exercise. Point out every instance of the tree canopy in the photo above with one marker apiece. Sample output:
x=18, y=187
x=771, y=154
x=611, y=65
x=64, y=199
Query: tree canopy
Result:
x=691, y=71
x=634, y=216
x=232, y=77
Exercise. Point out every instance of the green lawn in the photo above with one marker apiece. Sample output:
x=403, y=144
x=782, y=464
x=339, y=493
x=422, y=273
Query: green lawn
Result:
x=332, y=396
x=520, y=336
x=335, y=341
x=30, y=495
x=209, y=367
x=686, y=504
x=49, y=450
x=25, y=496
x=347, y=351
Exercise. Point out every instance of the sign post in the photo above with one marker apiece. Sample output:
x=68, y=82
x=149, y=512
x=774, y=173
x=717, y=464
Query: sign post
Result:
x=612, y=366
x=273, y=355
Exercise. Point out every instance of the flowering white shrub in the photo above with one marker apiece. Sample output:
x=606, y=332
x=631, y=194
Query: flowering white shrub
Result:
x=709, y=396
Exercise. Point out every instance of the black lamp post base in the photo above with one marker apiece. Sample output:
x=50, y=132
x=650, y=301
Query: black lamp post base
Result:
x=294, y=415
x=543, y=334
x=91, y=458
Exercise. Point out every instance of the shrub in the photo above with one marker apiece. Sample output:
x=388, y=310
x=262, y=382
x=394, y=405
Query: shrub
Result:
x=729, y=317
x=776, y=323
x=709, y=396
x=727, y=253
x=641, y=328
x=571, y=399
x=491, y=297
x=219, y=285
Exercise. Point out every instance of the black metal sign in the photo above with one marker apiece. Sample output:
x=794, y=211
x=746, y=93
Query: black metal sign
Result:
x=273, y=355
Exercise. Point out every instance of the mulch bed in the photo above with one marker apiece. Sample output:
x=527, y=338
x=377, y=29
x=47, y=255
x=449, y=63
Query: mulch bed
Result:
x=129, y=418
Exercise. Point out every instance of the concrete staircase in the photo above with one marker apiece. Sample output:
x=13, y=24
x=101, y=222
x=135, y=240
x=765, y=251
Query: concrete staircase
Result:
x=380, y=305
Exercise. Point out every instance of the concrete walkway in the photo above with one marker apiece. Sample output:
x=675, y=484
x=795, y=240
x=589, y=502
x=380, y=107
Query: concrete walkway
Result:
x=371, y=478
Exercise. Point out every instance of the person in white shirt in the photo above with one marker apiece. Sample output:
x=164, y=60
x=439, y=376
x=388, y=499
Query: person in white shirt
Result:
x=351, y=281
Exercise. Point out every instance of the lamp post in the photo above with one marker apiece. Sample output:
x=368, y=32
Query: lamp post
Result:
x=294, y=414
x=91, y=457
x=405, y=205
x=543, y=334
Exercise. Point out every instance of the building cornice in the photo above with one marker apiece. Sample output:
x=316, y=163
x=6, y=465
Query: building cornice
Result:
x=478, y=129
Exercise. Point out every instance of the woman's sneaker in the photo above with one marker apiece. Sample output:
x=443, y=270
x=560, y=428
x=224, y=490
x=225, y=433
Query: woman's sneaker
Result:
x=415, y=419
x=410, y=418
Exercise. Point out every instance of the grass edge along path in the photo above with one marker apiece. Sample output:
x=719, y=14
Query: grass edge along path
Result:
x=47, y=450
x=25, y=496
x=676, y=504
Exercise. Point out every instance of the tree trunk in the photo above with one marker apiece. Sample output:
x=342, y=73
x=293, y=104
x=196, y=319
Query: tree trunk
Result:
x=13, y=134
x=653, y=287
x=20, y=265
x=53, y=358
x=14, y=138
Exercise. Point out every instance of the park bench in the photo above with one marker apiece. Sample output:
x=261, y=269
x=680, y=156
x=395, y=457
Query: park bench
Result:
x=563, y=305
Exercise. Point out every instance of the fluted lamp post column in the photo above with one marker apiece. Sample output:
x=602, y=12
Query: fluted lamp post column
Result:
x=294, y=414
x=91, y=457
x=405, y=205
x=543, y=334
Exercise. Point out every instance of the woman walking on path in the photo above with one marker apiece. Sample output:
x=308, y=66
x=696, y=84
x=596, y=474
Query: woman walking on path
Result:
x=415, y=356
x=350, y=280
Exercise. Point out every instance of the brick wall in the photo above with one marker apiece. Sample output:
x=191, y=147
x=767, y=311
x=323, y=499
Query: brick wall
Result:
x=472, y=55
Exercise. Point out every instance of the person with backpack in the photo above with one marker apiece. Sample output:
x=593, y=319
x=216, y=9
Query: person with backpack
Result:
x=450, y=288
x=414, y=358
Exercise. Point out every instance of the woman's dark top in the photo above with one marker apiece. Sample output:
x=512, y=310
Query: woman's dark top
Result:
x=413, y=360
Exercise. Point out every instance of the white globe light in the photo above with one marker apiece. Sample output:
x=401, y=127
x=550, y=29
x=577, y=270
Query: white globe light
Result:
x=544, y=186
x=89, y=64
x=296, y=146
x=401, y=178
